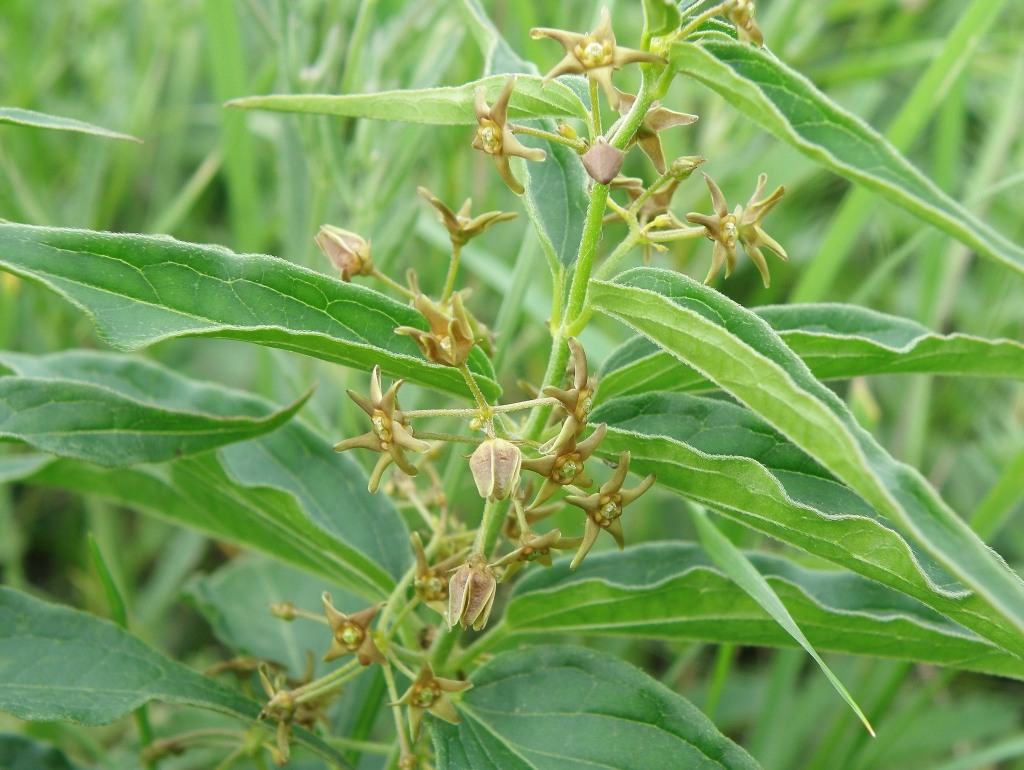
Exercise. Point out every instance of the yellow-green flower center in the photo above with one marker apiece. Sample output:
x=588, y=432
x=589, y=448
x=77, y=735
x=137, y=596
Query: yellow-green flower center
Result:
x=593, y=53
x=489, y=134
x=426, y=695
x=350, y=636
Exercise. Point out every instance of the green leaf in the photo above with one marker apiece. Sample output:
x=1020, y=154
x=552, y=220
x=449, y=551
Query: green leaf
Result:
x=19, y=117
x=556, y=201
x=835, y=341
x=441, y=106
x=141, y=289
x=236, y=600
x=660, y=16
x=57, y=663
x=278, y=495
x=789, y=106
x=20, y=753
x=739, y=352
x=115, y=410
x=728, y=558
x=565, y=708
x=672, y=591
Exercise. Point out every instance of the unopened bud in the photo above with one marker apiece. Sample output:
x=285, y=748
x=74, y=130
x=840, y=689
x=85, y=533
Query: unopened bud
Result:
x=348, y=252
x=567, y=131
x=471, y=594
x=495, y=465
x=681, y=168
x=602, y=161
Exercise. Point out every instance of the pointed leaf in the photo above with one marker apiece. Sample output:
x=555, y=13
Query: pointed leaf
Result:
x=835, y=341
x=728, y=558
x=566, y=708
x=57, y=663
x=672, y=591
x=19, y=117
x=259, y=494
x=115, y=410
x=556, y=201
x=141, y=289
x=442, y=106
x=789, y=106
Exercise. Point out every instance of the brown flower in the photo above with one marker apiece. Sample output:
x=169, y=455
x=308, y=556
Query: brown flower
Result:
x=429, y=693
x=351, y=633
x=461, y=227
x=451, y=337
x=431, y=581
x=531, y=548
x=578, y=400
x=391, y=434
x=743, y=226
x=604, y=507
x=471, y=593
x=495, y=137
x=594, y=54
x=657, y=119
x=565, y=465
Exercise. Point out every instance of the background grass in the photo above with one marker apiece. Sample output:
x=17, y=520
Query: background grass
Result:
x=263, y=182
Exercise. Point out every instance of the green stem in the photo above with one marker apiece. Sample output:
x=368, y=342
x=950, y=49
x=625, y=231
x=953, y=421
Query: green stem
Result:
x=576, y=145
x=595, y=111
x=453, y=270
x=389, y=281
x=403, y=739
x=328, y=683
x=481, y=400
x=592, y=228
x=490, y=527
x=557, y=361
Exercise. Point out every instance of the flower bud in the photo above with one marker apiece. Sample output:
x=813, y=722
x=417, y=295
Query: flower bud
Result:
x=683, y=167
x=602, y=161
x=495, y=465
x=348, y=252
x=471, y=593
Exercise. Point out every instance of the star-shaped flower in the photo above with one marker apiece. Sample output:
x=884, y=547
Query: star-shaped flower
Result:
x=743, y=226
x=430, y=693
x=351, y=633
x=604, y=507
x=531, y=548
x=657, y=119
x=431, y=581
x=461, y=226
x=593, y=54
x=450, y=338
x=391, y=434
x=578, y=400
x=565, y=465
x=494, y=137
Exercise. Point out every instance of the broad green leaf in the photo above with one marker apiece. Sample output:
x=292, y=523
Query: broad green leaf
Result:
x=835, y=341
x=741, y=571
x=442, y=106
x=556, y=201
x=19, y=117
x=260, y=494
x=141, y=289
x=740, y=353
x=18, y=752
x=115, y=410
x=790, y=107
x=57, y=663
x=566, y=708
x=672, y=591
x=236, y=600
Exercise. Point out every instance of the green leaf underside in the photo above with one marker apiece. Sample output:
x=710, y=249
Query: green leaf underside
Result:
x=835, y=341
x=113, y=410
x=739, y=352
x=141, y=289
x=660, y=16
x=57, y=663
x=235, y=600
x=18, y=752
x=442, y=106
x=565, y=708
x=556, y=200
x=672, y=591
x=789, y=106
x=244, y=495
x=19, y=117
